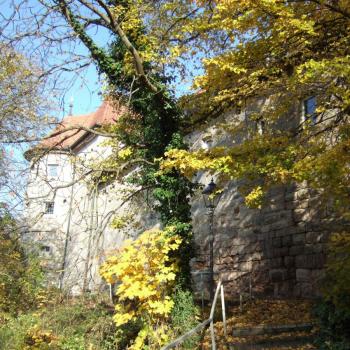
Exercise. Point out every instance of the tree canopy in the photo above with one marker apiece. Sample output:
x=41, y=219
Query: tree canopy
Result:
x=281, y=52
x=290, y=57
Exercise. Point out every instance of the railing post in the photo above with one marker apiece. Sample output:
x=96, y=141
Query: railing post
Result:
x=250, y=285
x=223, y=309
x=210, y=321
x=212, y=334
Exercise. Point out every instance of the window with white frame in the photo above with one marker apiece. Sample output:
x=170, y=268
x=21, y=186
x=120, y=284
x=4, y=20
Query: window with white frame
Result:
x=52, y=170
x=49, y=207
x=309, y=109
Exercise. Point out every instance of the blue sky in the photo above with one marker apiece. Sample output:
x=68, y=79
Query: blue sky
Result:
x=85, y=91
x=84, y=94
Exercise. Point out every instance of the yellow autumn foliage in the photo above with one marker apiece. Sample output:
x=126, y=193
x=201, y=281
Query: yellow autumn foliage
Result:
x=281, y=53
x=144, y=273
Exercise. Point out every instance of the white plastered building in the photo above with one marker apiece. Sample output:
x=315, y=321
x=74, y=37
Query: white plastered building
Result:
x=67, y=215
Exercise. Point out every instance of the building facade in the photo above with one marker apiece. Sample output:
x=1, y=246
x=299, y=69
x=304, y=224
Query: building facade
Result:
x=278, y=250
x=68, y=214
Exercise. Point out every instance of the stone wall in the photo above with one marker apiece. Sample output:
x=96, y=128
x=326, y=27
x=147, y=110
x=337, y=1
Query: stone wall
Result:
x=279, y=250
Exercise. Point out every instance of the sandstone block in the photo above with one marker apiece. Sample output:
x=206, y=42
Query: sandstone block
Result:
x=315, y=248
x=287, y=241
x=303, y=204
x=271, y=218
x=277, y=242
x=226, y=260
x=291, y=273
x=280, y=252
x=275, y=263
x=281, y=224
x=290, y=196
x=245, y=266
x=283, y=289
x=296, y=250
x=303, y=289
x=291, y=229
x=299, y=238
x=229, y=275
x=307, y=290
x=316, y=237
x=256, y=256
x=301, y=215
x=278, y=275
x=312, y=261
x=289, y=261
x=303, y=275
x=291, y=204
x=302, y=194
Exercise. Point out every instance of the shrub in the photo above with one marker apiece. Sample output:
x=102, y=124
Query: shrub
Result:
x=333, y=311
x=14, y=332
x=37, y=339
x=79, y=324
x=337, y=283
x=184, y=317
x=145, y=274
x=334, y=326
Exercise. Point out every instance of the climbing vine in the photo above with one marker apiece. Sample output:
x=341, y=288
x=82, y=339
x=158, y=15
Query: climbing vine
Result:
x=150, y=125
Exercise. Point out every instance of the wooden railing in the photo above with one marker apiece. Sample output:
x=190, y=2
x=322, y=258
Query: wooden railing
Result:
x=210, y=320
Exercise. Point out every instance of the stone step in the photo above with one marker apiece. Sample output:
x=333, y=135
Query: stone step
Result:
x=290, y=336
x=272, y=329
x=287, y=342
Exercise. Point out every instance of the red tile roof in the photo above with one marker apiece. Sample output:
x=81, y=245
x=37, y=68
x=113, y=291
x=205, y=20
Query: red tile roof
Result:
x=105, y=114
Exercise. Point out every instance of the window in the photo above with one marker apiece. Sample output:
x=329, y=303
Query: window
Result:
x=260, y=126
x=310, y=109
x=45, y=248
x=49, y=207
x=52, y=170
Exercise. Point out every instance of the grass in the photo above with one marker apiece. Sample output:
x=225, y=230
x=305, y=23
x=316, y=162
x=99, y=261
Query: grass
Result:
x=78, y=324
